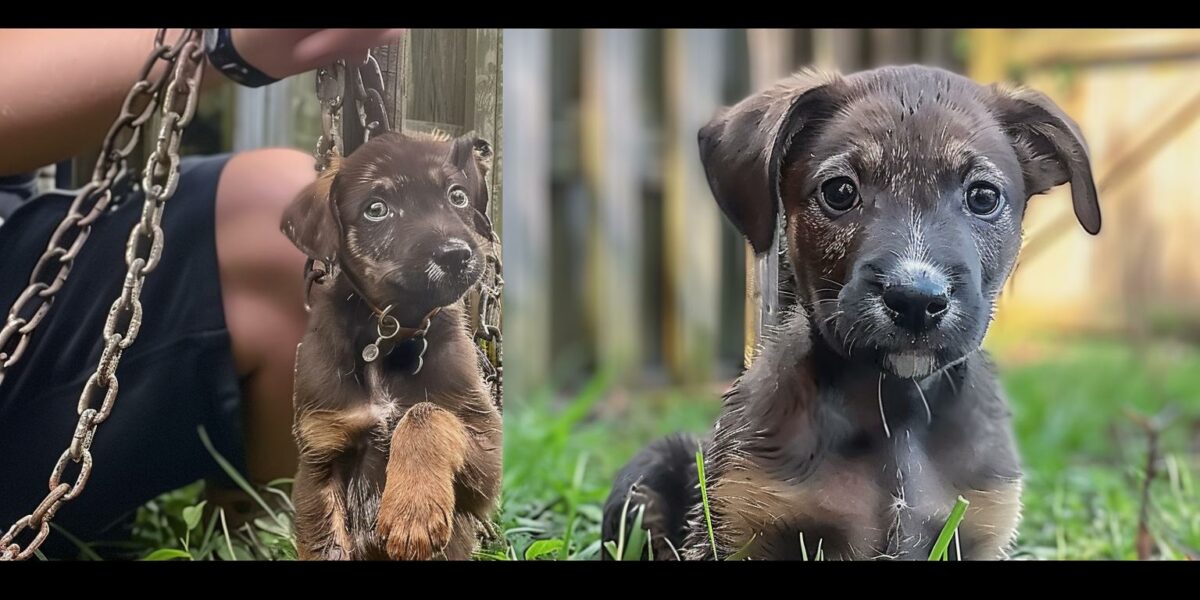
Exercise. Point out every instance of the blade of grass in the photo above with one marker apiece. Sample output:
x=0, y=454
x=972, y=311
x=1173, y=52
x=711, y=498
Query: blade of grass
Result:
x=168, y=554
x=620, y=553
x=541, y=548
x=83, y=548
x=712, y=539
x=572, y=505
x=943, y=541
x=228, y=541
x=637, y=537
x=287, y=500
x=743, y=553
x=588, y=552
x=233, y=473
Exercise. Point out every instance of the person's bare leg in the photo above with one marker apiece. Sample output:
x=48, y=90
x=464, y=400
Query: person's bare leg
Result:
x=263, y=295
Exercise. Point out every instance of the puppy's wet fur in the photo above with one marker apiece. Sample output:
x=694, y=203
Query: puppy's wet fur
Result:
x=395, y=462
x=871, y=407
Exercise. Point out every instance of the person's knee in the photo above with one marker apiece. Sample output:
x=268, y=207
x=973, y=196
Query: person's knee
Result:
x=261, y=270
x=254, y=190
x=264, y=180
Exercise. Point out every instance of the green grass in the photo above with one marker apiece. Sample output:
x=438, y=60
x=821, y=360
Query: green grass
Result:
x=181, y=525
x=1084, y=457
x=1084, y=461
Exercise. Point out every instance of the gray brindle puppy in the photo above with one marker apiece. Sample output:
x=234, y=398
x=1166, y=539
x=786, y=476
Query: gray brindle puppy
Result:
x=872, y=407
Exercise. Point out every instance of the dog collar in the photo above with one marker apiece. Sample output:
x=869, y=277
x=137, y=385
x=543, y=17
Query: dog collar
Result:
x=390, y=332
x=388, y=329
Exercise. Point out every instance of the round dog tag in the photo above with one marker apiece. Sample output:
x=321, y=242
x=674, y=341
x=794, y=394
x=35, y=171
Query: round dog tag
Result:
x=370, y=352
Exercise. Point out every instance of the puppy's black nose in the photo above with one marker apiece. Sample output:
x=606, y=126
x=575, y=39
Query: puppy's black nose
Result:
x=917, y=305
x=453, y=255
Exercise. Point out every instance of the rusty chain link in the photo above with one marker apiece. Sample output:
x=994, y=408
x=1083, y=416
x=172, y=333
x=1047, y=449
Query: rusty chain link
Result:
x=487, y=331
x=176, y=91
x=329, y=93
x=89, y=204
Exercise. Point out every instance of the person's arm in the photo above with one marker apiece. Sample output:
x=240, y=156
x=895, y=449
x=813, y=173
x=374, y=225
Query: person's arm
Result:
x=60, y=89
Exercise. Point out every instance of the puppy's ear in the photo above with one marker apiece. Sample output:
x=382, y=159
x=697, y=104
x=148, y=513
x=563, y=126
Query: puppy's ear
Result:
x=743, y=146
x=481, y=149
x=1050, y=147
x=473, y=156
x=311, y=220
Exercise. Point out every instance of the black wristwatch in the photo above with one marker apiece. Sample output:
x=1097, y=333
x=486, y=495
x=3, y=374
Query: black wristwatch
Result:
x=218, y=45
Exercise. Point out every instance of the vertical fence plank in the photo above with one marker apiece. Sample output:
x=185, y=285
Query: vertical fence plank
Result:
x=840, y=49
x=527, y=249
x=262, y=116
x=771, y=52
x=892, y=46
x=987, y=60
x=612, y=157
x=936, y=47
x=694, y=75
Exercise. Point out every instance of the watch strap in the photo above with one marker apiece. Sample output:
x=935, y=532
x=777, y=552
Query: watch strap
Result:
x=218, y=45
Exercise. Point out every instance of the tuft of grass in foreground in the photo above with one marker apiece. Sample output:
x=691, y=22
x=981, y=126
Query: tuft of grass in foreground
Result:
x=1084, y=459
x=182, y=525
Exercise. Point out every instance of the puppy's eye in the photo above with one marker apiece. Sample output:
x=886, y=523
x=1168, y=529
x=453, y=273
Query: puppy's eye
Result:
x=458, y=197
x=984, y=199
x=839, y=194
x=377, y=211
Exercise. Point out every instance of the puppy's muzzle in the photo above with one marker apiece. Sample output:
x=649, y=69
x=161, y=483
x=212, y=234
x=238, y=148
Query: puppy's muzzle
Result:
x=915, y=294
x=454, y=256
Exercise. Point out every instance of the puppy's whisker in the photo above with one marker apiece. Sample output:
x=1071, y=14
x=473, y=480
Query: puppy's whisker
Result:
x=883, y=415
x=835, y=315
x=921, y=393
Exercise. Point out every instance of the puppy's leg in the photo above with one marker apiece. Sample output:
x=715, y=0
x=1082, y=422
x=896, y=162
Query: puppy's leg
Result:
x=477, y=485
x=320, y=518
x=662, y=481
x=416, y=512
x=464, y=539
x=319, y=492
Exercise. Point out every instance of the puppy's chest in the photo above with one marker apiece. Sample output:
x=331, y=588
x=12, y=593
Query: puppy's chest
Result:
x=885, y=501
x=866, y=494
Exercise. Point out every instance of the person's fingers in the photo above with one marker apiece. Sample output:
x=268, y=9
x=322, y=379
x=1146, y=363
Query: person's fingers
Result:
x=284, y=52
x=269, y=50
x=327, y=45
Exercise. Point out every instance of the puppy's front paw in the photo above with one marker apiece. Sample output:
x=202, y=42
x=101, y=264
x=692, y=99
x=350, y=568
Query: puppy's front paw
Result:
x=414, y=523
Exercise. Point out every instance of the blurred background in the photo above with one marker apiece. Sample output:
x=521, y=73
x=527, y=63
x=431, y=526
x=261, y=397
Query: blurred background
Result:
x=627, y=311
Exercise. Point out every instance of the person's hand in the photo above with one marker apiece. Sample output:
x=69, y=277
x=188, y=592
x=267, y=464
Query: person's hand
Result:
x=282, y=53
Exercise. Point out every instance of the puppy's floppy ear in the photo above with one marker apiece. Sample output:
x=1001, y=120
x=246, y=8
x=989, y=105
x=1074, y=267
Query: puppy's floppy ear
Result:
x=311, y=220
x=473, y=156
x=1050, y=147
x=743, y=146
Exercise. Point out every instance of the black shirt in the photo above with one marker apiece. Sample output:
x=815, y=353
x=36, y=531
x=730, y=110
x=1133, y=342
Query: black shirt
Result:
x=14, y=191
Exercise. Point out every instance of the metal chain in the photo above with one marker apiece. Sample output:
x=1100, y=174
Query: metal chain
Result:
x=50, y=271
x=329, y=144
x=368, y=99
x=143, y=251
x=487, y=335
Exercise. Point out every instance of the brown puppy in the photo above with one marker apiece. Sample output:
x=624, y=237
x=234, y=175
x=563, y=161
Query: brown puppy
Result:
x=399, y=440
x=871, y=407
